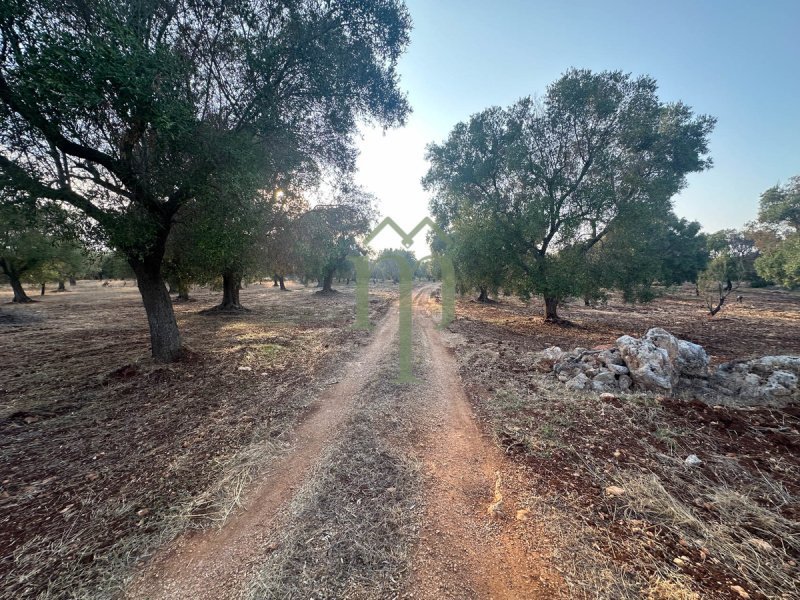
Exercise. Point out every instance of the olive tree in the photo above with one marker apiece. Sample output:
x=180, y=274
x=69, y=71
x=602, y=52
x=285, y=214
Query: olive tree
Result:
x=779, y=215
x=552, y=178
x=125, y=109
x=332, y=230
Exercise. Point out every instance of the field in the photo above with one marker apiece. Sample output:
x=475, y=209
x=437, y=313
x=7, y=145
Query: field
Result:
x=104, y=455
x=674, y=532
x=280, y=457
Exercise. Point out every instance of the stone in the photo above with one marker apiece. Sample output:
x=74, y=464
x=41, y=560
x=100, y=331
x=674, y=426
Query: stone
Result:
x=784, y=379
x=664, y=340
x=604, y=381
x=651, y=368
x=772, y=381
x=579, y=382
x=692, y=461
x=569, y=369
x=547, y=358
x=693, y=360
x=624, y=382
x=619, y=369
x=611, y=357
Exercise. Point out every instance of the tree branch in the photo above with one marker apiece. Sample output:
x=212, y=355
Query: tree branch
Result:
x=14, y=176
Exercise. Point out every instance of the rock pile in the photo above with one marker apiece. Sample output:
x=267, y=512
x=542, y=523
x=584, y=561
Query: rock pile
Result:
x=656, y=363
x=766, y=381
x=661, y=363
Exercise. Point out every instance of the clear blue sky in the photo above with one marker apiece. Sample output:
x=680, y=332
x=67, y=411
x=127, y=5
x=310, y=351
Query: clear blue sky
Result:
x=736, y=60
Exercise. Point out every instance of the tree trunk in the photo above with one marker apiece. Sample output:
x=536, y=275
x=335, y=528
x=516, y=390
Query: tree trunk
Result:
x=44, y=285
x=275, y=281
x=72, y=282
x=165, y=339
x=20, y=296
x=61, y=286
x=728, y=286
x=183, y=292
x=484, y=295
x=327, y=282
x=231, y=284
x=550, y=309
x=281, y=283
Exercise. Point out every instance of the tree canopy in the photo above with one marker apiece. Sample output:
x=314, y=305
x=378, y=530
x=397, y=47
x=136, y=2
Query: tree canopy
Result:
x=331, y=231
x=126, y=110
x=553, y=178
x=780, y=205
x=779, y=215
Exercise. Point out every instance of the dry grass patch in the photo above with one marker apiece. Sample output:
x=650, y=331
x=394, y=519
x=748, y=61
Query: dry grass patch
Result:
x=727, y=526
x=105, y=455
x=350, y=527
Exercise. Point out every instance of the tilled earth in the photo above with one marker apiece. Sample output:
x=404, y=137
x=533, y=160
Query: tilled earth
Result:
x=280, y=458
x=630, y=519
x=105, y=455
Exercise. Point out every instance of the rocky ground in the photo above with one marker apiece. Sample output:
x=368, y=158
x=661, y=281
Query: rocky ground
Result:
x=650, y=487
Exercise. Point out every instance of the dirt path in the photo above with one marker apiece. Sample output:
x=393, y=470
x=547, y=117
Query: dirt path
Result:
x=215, y=563
x=462, y=550
x=472, y=544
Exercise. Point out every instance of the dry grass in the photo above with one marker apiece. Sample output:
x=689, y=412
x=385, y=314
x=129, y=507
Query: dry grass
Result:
x=352, y=523
x=733, y=521
x=105, y=455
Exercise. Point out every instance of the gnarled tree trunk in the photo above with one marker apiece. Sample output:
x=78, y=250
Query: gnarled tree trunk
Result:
x=165, y=339
x=19, y=292
x=61, y=286
x=72, y=282
x=280, y=281
x=484, y=295
x=231, y=284
x=44, y=286
x=327, y=282
x=274, y=281
x=183, y=292
x=550, y=309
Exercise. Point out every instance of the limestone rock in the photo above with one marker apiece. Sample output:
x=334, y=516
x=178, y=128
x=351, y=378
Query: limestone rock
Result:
x=579, y=382
x=651, y=367
x=692, y=360
x=604, y=381
x=547, y=358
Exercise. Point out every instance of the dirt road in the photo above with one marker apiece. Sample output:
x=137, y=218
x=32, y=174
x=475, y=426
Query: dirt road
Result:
x=388, y=490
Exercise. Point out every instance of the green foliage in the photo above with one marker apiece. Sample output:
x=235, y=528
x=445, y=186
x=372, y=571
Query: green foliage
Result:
x=640, y=251
x=331, y=231
x=134, y=112
x=385, y=264
x=782, y=264
x=733, y=256
x=109, y=265
x=779, y=214
x=25, y=250
x=780, y=205
x=225, y=229
x=545, y=182
x=105, y=97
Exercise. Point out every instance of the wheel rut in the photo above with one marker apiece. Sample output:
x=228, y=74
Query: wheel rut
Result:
x=449, y=543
